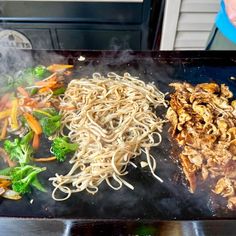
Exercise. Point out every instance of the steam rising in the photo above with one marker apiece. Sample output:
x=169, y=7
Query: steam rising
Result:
x=150, y=199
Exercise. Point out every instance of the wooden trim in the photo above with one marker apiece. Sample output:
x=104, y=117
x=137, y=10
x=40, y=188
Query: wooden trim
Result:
x=171, y=17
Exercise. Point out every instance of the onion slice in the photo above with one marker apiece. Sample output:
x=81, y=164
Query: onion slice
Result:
x=12, y=195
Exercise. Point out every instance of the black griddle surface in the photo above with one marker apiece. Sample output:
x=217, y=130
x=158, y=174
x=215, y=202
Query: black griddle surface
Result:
x=150, y=200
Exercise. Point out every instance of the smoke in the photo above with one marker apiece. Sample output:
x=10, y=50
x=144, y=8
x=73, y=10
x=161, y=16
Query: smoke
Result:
x=13, y=59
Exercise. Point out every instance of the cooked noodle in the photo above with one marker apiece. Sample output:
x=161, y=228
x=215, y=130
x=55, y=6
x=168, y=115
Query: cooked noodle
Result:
x=112, y=119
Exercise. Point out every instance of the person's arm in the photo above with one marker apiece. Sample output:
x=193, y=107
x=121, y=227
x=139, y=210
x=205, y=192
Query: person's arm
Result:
x=230, y=6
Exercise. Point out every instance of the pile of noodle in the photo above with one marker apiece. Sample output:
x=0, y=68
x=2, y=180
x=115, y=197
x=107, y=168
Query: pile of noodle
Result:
x=113, y=120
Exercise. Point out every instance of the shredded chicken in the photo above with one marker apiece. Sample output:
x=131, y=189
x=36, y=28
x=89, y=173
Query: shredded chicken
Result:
x=203, y=121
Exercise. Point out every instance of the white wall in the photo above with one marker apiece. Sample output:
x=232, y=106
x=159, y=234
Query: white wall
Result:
x=188, y=23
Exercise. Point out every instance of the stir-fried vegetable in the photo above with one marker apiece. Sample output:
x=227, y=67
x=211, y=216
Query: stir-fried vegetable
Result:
x=24, y=78
x=59, y=67
x=37, y=184
x=14, y=122
x=45, y=159
x=50, y=82
x=4, y=130
x=10, y=194
x=41, y=72
x=4, y=100
x=6, y=171
x=49, y=119
x=61, y=147
x=25, y=105
x=50, y=124
x=4, y=183
x=59, y=91
x=23, y=177
x=6, y=157
x=48, y=112
x=33, y=123
x=4, y=114
x=23, y=92
x=36, y=141
x=20, y=150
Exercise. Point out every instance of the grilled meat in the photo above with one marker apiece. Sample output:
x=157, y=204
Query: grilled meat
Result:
x=204, y=124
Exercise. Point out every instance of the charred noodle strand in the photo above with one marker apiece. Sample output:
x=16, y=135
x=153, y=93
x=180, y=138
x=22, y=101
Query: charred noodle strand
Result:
x=113, y=121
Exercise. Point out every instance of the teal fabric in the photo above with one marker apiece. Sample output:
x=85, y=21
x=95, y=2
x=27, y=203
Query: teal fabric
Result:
x=224, y=25
x=217, y=41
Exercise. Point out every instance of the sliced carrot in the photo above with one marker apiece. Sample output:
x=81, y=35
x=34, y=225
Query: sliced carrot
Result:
x=5, y=114
x=33, y=123
x=50, y=87
x=48, y=83
x=23, y=92
x=44, y=105
x=4, y=100
x=30, y=102
x=36, y=141
x=59, y=67
x=53, y=75
x=51, y=80
x=43, y=90
x=6, y=158
x=8, y=104
x=4, y=183
x=4, y=130
x=44, y=159
x=67, y=72
x=14, y=122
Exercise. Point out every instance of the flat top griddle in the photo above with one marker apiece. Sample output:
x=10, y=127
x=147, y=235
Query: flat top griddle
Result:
x=150, y=200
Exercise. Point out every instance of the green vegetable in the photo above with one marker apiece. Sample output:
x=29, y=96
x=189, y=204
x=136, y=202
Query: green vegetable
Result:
x=19, y=172
x=27, y=138
x=50, y=124
x=6, y=171
x=20, y=150
x=41, y=72
x=48, y=112
x=7, y=83
x=61, y=147
x=23, y=78
x=33, y=91
x=59, y=91
x=35, y=183
x=49, y=119
x=24, y=177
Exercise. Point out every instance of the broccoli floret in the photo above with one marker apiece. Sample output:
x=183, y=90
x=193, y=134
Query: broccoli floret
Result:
x=50, y=124
x=61, y=147
x=20, y=172
x=41, y=72
x=20, y=150
x=27, y=77
x=49, y=119
x=24, y=78
x=23, y=177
